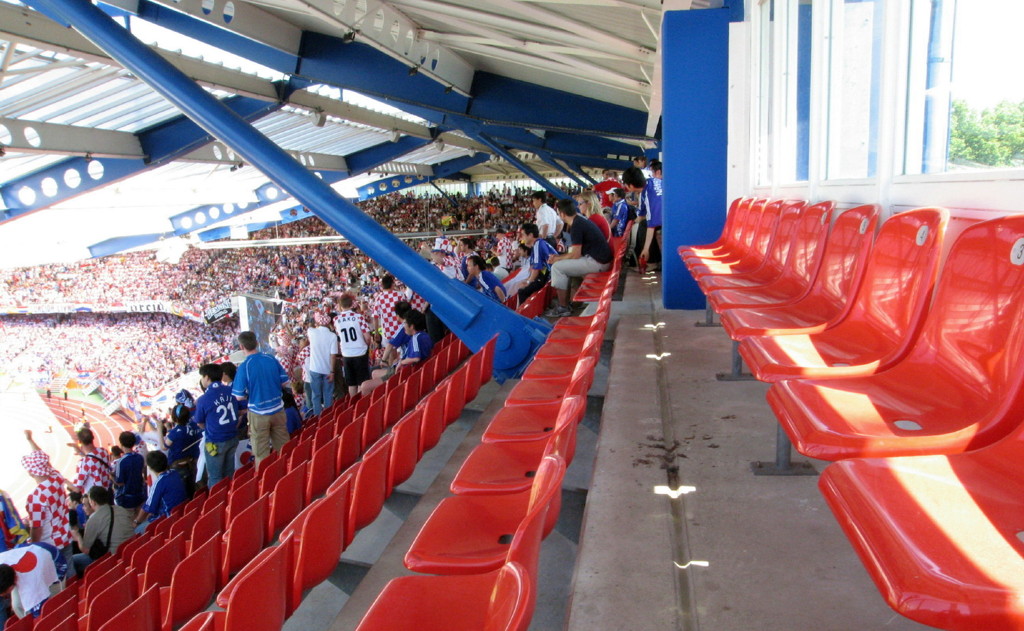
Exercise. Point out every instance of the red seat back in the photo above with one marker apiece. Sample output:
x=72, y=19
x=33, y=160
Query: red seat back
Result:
x=272, y=468
x=208, y=526
x=244, y=538
x=321, y=471
x=288, y=498
x=258, y=598
x=373, y=423
x=350, y=444
x=456, y=399
x=301, y=453
x=370, y=487
x=162, y=562
x=433, y=418
x=142, y=614
x=193, y=583
x=513, y=600
x=240, y=497
x=111, y=600
x=317, y=546
x=405, y=452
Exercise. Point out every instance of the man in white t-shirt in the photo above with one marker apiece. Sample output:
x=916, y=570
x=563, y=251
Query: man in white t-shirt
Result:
x=354, y=333
x=323, y=347
x=548, y=222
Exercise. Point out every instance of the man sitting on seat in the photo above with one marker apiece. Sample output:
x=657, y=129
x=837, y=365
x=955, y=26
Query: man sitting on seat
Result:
x=588, y=253
x=412, y=342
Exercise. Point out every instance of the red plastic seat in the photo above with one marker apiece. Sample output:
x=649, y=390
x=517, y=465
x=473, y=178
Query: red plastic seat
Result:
x=160, y=565
x=302, y=452
x=884, y=319
x=142, y=553
x=534, y=391
x=559, y=367
x=287, y=499
x=244, y=538
x=808, y=244
x=405, y=451
x=208, y=526
x=842, y=267
x=64, y=603
x=317, y=541
x=775, y=258
x=597, y=322
x=241, y=497
x=218, y=496
x=321, y=471
x=737, y=208
x=108, y=602
x=473, y=375
x=469, y=534
x=567, y=349
x=747, y=216
x=536, y=421
x=350, y=444
x=193, y=584
x=510, y=467
x=497, y=601
x=394, y=406
x=255, y=600
x=272, y=468
x=433, y=419
x=142, y=614
x=411, y=394
x=960, y=386
x=456, y=399
x=753, y=256
x=373, y=423
x=370, y=488
x=939, y=535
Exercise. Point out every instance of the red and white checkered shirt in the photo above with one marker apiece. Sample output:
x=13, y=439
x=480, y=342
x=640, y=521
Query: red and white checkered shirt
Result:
x=384, y=310
x=415, y=300
x=505, y=249
x=47, y=509
x=300, y=360
x=92, y=472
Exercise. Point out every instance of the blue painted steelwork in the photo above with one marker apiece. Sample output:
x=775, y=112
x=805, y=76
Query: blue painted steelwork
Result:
x=472, y=316
x=161, y=143
x=119, y=244
x=522, y=166
x=449, y=170
x=71, y=177
x=803, y=91
x=263, y=54
x=695, y=50
x=372, y=157
x=550, y=161
x=583, y=173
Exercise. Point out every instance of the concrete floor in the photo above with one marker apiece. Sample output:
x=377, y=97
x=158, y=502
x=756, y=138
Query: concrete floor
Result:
x=664, y=525
x=735, y=551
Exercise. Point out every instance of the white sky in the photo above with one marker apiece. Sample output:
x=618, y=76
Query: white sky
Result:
x=988, y=60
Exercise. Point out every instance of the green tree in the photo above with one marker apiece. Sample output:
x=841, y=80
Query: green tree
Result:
x=992, y=137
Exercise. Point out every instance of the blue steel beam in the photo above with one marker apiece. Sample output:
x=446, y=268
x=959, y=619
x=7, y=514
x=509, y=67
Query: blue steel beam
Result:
x=583, y=173
x=368, y=159
x=472, y=316
x=161, y=143
x=550, y=161
x=448, y=170
x=522, y=166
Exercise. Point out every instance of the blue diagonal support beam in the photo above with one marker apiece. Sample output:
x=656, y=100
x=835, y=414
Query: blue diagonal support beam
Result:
x=161, y=144
x=473, y=317
x=447, y=170
x=368, y=159
x=579, y=169
x=550, y=161
x=541, y=181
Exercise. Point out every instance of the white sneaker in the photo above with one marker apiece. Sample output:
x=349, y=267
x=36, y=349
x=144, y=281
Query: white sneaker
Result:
x=558, y=312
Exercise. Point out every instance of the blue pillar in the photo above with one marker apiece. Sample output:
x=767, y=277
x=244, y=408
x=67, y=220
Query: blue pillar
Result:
x=472, y=316
x=695, y=76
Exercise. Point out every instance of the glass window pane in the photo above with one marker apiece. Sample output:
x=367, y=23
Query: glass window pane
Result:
x=965, y=102
x=855, y=64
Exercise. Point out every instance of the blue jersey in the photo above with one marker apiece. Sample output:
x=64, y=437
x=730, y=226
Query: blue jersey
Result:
x=184, y=441
x=620, y=214
x=418, y=347
x=129, y=475
x=650, y=202
x=168, y=491
x=217, y=412
x=259, y=378
x=540, y=254
x=488, y=283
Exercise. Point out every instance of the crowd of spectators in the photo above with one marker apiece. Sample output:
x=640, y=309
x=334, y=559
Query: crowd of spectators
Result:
x=126, y=352
x=132, y=352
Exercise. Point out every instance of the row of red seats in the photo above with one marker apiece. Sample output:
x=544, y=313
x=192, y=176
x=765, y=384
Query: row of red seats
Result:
x=483, y=542
x=913, y=383
x=248, y=509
